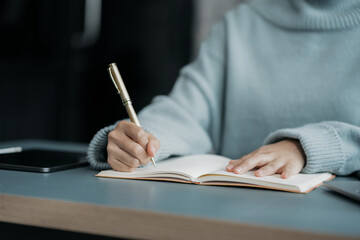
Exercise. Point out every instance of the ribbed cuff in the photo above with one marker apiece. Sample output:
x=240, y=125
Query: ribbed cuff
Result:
x=321, y=143
x=97, y=149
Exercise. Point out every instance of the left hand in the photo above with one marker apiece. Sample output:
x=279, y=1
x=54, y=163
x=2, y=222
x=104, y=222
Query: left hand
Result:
x=285, y=157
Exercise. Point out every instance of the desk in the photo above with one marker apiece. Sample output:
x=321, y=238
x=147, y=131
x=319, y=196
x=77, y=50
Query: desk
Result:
x=77, y=201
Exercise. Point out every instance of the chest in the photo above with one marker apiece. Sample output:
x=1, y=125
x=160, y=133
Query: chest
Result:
x=283, y=87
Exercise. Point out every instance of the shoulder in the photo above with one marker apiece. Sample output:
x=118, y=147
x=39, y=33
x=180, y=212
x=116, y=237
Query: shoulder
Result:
x=242, y=13
x=243, y=18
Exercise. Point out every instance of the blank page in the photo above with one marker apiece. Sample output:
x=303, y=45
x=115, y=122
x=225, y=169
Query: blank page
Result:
x=301, y=181
x=192, y=165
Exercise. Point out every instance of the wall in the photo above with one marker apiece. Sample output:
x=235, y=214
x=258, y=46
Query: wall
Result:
x=54, y=87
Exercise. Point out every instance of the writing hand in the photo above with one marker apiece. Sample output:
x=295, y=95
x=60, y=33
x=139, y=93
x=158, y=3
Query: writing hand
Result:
x=129, y=146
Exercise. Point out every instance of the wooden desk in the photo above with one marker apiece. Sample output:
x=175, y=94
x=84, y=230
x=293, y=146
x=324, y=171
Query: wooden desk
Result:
x=77, y=201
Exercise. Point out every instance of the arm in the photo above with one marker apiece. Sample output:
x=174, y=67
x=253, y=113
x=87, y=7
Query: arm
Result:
x=188, y=120
x=322, y=147
x=329, y=146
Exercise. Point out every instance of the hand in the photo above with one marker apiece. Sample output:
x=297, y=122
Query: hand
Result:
x=129, y=146
x=286, y=157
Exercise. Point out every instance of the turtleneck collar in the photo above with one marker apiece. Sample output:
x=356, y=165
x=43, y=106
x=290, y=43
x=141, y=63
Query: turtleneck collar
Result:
x=310, y=14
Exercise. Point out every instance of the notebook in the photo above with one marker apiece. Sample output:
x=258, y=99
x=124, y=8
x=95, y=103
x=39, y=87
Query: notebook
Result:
x=208, y=169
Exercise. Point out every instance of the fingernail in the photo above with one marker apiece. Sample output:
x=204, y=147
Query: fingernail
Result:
x=284, y=175
x=258, y=173
x=238, y=169
x=230, y=167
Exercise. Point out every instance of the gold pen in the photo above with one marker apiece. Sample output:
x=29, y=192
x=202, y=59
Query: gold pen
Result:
x=125, y=98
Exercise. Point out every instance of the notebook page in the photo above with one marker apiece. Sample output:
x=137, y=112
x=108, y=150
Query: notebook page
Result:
x=192, y=165
x=195, y=165
x=301, y=181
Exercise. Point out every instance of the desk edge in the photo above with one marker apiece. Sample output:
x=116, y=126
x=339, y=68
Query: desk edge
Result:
x=129, y=223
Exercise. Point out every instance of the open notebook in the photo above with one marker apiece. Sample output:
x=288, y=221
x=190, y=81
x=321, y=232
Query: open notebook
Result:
x=209, y=169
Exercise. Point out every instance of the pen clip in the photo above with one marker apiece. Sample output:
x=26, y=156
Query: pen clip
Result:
x=119, y=84
x=113, y=80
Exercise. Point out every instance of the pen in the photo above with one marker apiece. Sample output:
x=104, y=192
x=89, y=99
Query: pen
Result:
x=125, y=98
x=10, y=150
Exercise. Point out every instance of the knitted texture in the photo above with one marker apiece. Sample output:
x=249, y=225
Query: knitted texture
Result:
x=321, y=143
x=97, y=147
x=311, y=15
x=270, y=70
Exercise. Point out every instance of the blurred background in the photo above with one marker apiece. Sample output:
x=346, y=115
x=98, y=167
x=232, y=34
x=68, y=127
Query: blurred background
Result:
x=54, y=55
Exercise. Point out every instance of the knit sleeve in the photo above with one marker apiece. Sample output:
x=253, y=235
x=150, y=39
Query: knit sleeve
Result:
x=329, y=146
x=187, y=121
x=96, y=153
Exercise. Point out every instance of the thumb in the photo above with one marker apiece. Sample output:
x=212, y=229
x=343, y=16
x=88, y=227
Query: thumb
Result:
x=289, y=170
x=153, y=146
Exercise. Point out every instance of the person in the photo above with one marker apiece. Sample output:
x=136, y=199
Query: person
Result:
x=274, y=87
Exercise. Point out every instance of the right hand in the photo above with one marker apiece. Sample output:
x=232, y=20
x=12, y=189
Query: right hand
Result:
x=129, y=146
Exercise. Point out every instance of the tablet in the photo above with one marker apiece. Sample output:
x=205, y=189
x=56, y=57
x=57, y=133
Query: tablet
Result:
x=349, y=189
x=40, y=160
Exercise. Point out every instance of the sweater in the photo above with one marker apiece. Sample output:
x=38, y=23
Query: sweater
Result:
x=270, y=70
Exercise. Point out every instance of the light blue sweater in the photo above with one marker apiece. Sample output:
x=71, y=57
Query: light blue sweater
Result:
x=270, y=70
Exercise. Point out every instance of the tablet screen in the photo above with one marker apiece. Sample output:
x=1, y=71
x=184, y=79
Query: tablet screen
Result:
x=39, y=160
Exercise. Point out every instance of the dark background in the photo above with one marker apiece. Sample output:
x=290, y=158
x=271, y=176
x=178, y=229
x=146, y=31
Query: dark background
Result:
x=53, y=86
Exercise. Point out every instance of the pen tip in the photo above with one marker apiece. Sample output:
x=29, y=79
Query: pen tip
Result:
x=153, y=162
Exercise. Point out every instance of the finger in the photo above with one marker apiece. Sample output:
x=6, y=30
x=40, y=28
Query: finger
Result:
x=153, y=146
x=229, y=167
x=119, y=166
x=253, y=161
x=269, y=169
x=133, y=148
x=137, y=134
x=290, y=170
x=123, y=141
x=118, y=154
x=233, y=163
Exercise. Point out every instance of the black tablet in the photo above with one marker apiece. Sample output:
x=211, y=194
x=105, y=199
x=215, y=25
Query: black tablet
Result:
x=349, y=189
x=40, y=160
